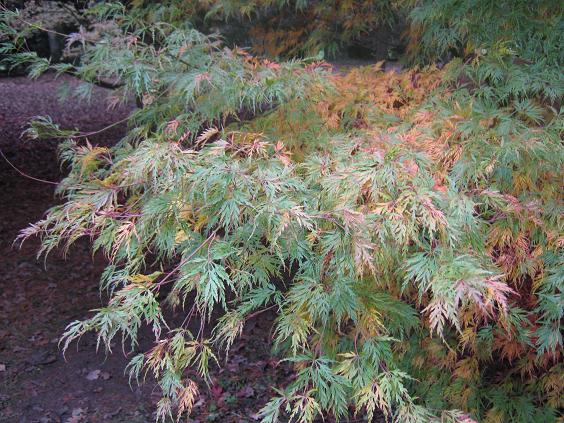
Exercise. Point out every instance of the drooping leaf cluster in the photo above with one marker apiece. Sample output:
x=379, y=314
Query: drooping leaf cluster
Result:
x=405, y=228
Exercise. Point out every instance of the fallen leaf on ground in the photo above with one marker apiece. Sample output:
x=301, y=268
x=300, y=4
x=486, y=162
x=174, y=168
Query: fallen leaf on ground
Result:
x=93, y=375
x=216, y=391
x=78, y=416
x=246, y=392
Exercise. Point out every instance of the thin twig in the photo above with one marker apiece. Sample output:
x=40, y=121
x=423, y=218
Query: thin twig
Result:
x=89, y=134
x=33, y=25
x=185, y=260
x=73, y=12
x=23, y=173
x=256, y=313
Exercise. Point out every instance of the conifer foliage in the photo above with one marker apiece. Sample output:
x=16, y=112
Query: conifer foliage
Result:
x=405, y=228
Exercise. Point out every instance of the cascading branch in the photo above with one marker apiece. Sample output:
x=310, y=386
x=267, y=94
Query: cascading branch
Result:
x=406, y=228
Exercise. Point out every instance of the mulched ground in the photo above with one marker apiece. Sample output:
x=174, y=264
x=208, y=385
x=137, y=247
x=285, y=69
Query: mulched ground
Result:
x=39, y=297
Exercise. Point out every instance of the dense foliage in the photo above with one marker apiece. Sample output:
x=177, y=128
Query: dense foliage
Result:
x=288, y=28
x=406, y=228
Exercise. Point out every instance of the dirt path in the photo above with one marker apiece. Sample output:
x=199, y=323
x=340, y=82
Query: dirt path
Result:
x=38, y=298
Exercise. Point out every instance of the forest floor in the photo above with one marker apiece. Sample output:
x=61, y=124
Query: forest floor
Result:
x=39, y=297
